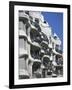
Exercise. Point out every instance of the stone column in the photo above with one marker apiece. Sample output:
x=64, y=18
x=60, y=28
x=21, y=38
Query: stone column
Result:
x=30, y=68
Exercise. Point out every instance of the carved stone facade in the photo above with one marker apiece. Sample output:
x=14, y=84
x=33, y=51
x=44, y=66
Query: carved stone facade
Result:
x=40, y=54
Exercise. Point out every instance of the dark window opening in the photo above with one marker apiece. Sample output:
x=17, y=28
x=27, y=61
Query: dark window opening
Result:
x=45, y=22
x=27, y=12
x=37, y=20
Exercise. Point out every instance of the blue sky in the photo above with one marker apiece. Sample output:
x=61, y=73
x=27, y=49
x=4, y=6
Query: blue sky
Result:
x=55, y=20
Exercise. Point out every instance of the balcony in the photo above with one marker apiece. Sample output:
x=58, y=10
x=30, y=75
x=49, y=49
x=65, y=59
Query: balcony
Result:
x=42, y=66
x=35, y=41
x=50, y=46
x=37, y=26
x=46, y=60
x=46, y=56
x=42, y=51
x=54, y=63
x=59, y=61
x=35, y=56
x=23, y=17
x=44, y=24
x=56, y=52
x=59, y=51
x=43, y=36
x=31, y=58
x=34, y=29
x=36, y=45
x=37, y=60
x=44, y=44
x=48, y=52
x=22, y=34
x=36, y=38
x=22, y=53
x=51, y=58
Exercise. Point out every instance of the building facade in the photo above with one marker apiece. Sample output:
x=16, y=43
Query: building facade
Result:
x=40, y=54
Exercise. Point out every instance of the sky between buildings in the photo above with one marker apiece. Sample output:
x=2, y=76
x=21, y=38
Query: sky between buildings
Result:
x=55, y=20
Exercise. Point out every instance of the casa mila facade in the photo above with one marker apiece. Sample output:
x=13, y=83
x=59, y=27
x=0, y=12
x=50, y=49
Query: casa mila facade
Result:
x=40, y=54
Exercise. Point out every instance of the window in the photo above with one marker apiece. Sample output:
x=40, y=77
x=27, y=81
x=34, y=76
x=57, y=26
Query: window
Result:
x=45, y=22
x=27, y=12
x=36, y=20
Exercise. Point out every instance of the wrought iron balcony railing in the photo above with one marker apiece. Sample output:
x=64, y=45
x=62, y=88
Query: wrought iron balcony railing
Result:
x=35, y=56
x=36, y=39
x=36, y=25
x=58, y=50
